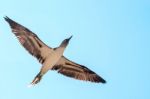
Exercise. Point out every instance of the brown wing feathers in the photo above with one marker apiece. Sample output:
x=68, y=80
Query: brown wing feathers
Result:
x=28, y=39
x=78, y=72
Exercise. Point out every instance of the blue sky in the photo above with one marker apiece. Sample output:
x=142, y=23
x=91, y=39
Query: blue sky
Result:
x=111, y=37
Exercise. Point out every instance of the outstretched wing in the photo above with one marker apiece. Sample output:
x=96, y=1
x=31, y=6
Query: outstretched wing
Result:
x=74, y=70
x=28, y=39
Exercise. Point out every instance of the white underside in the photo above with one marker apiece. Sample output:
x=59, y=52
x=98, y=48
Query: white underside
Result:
x=51, y=59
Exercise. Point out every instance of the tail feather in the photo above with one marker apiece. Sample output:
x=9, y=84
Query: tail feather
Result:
x=36, y=80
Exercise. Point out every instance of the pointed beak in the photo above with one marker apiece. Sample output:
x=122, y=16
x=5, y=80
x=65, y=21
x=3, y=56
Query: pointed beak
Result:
x=70, y=37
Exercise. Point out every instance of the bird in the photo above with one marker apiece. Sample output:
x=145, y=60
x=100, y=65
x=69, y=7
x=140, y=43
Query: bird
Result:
x=51, y=58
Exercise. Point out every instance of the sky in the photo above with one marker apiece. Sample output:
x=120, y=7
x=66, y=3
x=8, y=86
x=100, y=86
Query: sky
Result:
x=111, y=37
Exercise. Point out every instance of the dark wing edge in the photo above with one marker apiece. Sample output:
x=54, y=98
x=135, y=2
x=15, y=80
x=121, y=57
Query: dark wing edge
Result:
x=16, y=27
x=27, y=38
x=74, y=70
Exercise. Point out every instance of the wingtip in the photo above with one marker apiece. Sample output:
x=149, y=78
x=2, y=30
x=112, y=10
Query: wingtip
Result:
x=99, y=79
x=11, y=22
x=103, y=81
x=6, y=18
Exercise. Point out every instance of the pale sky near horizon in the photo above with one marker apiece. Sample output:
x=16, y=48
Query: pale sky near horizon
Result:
x=111, y=37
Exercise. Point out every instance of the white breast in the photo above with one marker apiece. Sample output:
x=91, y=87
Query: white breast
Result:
x=52, y=59
x=45, y=51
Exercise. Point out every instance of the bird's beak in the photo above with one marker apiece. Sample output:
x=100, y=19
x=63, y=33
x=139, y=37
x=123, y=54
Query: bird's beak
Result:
x=70, y=37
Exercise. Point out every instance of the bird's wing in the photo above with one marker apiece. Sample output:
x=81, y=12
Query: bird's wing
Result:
x=74, y=70
x=28, y=39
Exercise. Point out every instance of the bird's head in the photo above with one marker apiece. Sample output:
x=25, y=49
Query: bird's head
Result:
x=66, y=42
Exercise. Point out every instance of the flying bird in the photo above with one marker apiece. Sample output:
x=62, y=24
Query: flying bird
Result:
x=51, y=58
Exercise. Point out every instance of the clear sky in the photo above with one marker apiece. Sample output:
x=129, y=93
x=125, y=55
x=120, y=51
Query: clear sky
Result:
x=111, y=37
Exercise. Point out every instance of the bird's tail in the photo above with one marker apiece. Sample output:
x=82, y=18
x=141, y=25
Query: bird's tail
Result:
x=36, y=80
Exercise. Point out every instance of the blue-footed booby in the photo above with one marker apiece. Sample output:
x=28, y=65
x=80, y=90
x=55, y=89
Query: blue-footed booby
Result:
x=51, y=58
